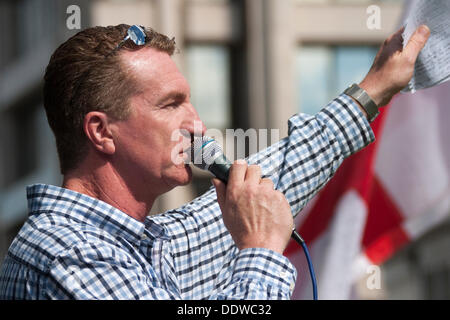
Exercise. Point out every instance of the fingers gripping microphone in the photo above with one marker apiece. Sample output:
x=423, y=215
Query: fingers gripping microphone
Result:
x=207, y=154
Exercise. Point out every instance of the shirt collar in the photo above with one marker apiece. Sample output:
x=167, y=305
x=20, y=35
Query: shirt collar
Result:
x=48, y=198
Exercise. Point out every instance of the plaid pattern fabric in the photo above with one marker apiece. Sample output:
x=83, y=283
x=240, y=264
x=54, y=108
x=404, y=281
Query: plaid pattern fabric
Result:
x=76, y=247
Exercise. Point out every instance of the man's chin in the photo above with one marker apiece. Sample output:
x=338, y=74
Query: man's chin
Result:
x=186, y=177
x=180, y=177
x=189, y=174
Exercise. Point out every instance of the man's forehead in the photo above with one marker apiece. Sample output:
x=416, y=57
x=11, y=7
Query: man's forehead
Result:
x=148, y=60
x=156, y=69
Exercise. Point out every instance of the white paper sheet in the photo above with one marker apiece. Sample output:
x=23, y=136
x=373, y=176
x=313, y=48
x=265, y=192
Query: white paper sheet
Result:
x=433, y=64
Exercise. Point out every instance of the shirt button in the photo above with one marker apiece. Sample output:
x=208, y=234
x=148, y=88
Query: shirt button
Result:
x=144, y=237
x=283, y=274
x=292, y=286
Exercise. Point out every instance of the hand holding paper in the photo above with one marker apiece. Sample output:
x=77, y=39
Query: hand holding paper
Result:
x=393, y=66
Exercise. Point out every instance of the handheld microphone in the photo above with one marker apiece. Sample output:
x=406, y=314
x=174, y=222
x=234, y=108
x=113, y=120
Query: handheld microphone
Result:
x=207, y=154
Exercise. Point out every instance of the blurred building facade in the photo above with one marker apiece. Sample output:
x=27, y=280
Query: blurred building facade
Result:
x=250, y=63
x=29, y=31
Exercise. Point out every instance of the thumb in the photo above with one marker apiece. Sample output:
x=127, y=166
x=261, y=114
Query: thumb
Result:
x=417, y=42
x=220, y=191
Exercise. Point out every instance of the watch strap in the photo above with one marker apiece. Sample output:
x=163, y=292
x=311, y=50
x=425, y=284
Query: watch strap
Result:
x=360, y=95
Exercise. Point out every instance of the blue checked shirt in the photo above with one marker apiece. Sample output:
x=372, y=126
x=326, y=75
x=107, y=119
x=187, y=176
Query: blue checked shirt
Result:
x=76, y=247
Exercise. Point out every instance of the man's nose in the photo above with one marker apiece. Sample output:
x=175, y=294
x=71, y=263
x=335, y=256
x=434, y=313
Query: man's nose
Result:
x=193, y=123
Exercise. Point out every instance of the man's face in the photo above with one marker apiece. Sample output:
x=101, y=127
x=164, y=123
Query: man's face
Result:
x=145, y=146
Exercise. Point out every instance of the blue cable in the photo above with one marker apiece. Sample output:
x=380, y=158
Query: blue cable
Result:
x=302, y=242
x=311, y=270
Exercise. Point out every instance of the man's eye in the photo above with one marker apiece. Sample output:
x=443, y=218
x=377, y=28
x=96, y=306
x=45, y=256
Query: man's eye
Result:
x=172, y=105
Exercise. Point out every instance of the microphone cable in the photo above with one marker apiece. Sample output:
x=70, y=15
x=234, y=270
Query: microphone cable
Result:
x=296, y=236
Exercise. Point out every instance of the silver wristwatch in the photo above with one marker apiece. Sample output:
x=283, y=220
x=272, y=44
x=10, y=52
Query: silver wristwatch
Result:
x=360, y=95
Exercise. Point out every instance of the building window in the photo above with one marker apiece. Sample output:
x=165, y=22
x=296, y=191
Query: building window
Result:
x=323, y=72
x=209, y=77
x=208, y=73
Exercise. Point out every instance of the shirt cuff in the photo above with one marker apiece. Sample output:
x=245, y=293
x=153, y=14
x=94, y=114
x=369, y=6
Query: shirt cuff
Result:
x=348, y=124
x=266, y=267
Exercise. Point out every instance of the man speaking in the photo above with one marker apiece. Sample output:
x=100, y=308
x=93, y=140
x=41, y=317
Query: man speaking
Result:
x=113, y=97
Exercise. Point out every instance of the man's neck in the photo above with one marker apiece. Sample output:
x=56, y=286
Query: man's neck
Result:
x=105, y=184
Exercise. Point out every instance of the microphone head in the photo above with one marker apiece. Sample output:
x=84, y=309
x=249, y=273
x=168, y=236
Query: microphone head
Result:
x=204, y=150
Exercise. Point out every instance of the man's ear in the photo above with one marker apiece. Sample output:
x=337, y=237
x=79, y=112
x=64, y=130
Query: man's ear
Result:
x=97, y=128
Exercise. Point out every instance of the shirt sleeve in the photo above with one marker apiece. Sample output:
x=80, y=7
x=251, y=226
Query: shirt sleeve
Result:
x=258, y=274
x=94, y=271
x=302, y=163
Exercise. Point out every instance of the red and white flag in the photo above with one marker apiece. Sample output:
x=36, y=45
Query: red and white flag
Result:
x=381, y=198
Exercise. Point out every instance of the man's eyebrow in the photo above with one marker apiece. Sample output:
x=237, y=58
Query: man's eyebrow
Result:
x=175, y=95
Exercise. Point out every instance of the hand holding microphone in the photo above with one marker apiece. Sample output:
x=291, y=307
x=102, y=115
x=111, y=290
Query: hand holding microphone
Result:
x=256, y=215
